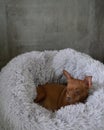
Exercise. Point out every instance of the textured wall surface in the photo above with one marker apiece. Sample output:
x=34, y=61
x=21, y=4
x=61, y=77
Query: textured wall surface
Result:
x=4, y=50
x=27, y=25
x=97, y=45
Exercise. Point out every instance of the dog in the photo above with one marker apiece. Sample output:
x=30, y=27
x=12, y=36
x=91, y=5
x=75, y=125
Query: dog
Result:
x=53, y=96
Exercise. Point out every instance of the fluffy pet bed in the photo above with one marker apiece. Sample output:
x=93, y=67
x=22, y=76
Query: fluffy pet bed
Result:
x=18, y=81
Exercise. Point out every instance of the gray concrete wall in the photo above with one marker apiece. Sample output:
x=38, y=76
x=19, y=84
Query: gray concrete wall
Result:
x=4, y=51
x=52, y=24
x=97, y=45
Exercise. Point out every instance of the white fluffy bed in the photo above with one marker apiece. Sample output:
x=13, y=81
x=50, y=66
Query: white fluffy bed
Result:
x=18, y=81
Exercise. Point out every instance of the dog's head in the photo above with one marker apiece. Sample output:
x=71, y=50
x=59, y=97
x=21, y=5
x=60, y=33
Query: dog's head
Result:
x=77, y=90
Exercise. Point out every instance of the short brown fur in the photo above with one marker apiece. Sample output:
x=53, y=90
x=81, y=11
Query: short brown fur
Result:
x=53, y=95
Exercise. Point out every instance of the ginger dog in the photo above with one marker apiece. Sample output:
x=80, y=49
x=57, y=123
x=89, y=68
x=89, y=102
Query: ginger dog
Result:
x=53, y=96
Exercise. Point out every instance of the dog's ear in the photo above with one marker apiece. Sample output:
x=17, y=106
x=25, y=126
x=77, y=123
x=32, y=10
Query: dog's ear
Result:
x=88, y=81
x=67, y=75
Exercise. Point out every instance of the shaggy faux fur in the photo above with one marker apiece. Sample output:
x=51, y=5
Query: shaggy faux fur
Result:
x=18, y=81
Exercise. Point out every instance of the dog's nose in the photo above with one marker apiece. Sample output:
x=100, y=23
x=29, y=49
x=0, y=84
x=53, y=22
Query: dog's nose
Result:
x=68, y=98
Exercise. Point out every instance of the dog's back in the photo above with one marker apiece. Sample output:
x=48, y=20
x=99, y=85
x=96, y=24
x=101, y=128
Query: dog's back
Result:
x=49, y=94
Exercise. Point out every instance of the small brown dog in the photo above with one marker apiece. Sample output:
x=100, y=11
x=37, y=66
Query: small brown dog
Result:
x=53, y=96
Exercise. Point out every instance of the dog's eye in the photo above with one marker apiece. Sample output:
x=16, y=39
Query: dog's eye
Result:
x=77, y=91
